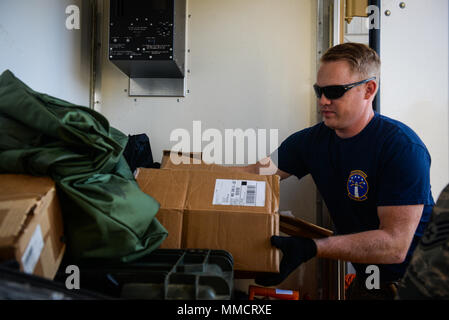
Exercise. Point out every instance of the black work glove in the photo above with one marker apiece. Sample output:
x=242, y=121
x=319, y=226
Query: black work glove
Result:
x=295, y=250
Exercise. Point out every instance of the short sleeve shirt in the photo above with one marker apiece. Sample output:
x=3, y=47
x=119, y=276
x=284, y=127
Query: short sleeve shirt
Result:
x=386, y=164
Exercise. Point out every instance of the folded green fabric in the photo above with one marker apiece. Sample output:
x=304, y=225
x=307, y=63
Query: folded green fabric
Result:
x=105, y=213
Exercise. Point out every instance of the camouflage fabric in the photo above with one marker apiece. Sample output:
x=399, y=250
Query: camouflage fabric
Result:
x=427, y=276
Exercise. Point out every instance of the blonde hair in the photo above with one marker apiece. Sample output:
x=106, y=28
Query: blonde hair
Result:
x=361, y=58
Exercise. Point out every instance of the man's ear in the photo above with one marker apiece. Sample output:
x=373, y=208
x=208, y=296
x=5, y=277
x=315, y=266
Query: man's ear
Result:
x=370, y=89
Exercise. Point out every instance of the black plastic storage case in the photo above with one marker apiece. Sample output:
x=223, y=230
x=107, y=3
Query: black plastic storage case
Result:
x=165, y=274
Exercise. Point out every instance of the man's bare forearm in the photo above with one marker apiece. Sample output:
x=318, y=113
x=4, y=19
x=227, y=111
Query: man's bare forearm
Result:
x=375, y=246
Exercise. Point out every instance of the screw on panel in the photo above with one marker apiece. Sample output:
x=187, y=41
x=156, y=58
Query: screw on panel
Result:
x=387, y=13
x=402, y=5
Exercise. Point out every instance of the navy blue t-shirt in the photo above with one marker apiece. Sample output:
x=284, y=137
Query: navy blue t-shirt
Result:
x=386, y=164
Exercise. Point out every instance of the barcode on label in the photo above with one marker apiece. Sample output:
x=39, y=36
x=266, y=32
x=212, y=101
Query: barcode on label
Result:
x=251, y=194
x=239, y=193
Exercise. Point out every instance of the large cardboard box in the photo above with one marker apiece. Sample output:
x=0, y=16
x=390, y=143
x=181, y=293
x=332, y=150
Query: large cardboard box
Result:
x=31, y=226
x=232, y=211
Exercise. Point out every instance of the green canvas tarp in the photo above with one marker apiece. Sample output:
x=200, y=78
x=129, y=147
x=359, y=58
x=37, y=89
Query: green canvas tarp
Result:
x=105, y=213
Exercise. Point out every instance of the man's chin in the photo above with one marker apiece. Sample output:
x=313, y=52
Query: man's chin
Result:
x=329, y=123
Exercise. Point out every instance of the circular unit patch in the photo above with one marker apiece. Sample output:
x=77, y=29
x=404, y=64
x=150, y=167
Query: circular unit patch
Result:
x=357, y=185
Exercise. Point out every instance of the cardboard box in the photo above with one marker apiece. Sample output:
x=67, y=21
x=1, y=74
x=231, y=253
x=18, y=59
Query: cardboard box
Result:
x=197, y=213
x=31, y=226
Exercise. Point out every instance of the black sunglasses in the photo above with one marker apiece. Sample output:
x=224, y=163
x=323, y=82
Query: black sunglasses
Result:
x=335, y=92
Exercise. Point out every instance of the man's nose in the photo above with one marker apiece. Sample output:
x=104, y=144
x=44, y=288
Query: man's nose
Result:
x=324, y=101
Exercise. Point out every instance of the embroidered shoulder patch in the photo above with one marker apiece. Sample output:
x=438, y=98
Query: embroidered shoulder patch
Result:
x=357, y=185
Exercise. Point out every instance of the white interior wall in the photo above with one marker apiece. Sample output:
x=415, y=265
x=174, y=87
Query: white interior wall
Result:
x=414, y=76
x=38, y=48
x=252, y=65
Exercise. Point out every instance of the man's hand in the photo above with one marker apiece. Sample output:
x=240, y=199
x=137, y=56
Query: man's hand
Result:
x=295, y=250
x=267, y=167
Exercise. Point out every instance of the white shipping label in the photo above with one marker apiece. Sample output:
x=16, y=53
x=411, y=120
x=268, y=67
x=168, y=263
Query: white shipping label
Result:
x=33, y=251
x=239, y=193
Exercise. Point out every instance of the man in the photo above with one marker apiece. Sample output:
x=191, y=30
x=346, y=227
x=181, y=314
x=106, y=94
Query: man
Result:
x=372, y=172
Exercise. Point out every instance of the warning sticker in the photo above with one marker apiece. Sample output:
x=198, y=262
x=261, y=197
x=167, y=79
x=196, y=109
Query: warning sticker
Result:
x=239, y=193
